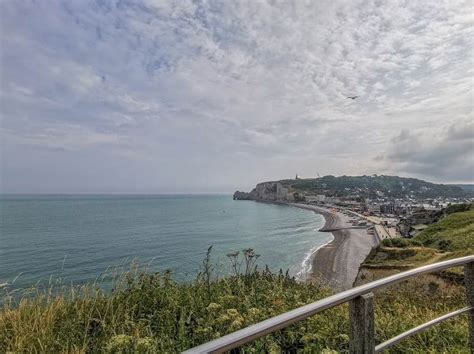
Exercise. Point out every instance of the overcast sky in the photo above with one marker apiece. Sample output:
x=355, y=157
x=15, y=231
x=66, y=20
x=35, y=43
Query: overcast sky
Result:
x=189, y=96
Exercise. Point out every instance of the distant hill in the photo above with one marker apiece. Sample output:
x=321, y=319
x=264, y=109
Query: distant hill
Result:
x=371, y=186
x=466, y=187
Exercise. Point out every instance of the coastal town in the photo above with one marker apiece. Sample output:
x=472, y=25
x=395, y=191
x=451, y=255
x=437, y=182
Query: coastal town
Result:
x=382, y=213
x=388, y=217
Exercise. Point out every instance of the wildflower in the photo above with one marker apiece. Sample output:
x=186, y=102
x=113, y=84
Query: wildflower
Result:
x=145, y=344
x=236, y=324
x=253, y=314
x=278, y=303
x=203, y=330
x=119, y=343
x=227, y=299
x=273, y=348
x=213, y=307
x=233, y=313
x=344, y=337
x=311, y=337
x=223, y=319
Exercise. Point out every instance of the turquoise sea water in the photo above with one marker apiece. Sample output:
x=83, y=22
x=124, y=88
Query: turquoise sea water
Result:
x=77, y=238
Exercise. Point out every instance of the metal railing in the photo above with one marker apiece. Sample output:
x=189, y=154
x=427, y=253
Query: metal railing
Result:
x=361, y=313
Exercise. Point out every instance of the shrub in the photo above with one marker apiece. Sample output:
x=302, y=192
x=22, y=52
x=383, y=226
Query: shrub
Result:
x=124, y=343
x=458, y=208
x=444, y=245
x=416, y=243
x=397, y=242
x=400, y=242
x=149, y=312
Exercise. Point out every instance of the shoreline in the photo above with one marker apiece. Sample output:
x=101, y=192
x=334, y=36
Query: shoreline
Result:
x=306, y=272
x=337, y=263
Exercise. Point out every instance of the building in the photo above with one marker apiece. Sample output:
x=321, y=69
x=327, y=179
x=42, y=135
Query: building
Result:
x=387, y=208
x=321, y=198
x=311, y=198
x=373, y=208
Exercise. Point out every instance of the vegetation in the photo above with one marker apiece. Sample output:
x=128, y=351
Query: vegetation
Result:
x=400, y=242
x=458, y=208
x=149, y=312
x=450, y=237
x=454, y=234
x=402, y=256
x=367, y=186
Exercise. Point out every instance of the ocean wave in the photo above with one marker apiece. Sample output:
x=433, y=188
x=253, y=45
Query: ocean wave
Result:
x=307, y=265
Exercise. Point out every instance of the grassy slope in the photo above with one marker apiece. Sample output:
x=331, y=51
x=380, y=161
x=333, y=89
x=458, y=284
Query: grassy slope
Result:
x=151, y=313
x=454, y=234
x=449, y=238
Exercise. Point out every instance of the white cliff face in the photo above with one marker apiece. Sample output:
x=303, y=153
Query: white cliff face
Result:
x=267, y=191
x=271, y=191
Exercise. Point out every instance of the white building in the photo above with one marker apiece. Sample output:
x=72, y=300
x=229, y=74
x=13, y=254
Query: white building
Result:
x=320, y=197
x=373, y=208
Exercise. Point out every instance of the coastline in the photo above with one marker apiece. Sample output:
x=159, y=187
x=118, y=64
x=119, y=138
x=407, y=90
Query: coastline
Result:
x=305, y=274
x=337, y=263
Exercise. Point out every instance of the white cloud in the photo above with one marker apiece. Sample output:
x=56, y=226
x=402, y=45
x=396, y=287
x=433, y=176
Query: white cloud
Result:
x=253, y=82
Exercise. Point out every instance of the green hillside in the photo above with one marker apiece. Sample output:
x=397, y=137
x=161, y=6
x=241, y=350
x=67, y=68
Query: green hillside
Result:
x=451, y=237
x=390, y=186
x=455, y=233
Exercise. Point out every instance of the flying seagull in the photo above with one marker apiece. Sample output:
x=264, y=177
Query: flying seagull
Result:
x=352, y=97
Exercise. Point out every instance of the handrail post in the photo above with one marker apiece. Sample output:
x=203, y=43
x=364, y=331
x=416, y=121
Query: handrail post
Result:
x=469, y=283
x=361, y=317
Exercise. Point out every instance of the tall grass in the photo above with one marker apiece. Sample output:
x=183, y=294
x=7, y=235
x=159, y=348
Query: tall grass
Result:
x=149, y=312
x=455, y=233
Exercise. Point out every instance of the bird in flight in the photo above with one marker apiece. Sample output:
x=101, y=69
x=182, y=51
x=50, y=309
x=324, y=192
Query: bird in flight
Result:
x=352, y=97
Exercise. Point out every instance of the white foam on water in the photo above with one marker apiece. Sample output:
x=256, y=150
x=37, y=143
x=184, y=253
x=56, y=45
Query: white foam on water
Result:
x=307, y=265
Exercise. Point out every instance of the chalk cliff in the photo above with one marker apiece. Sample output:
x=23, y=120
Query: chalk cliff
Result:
x=267, y=191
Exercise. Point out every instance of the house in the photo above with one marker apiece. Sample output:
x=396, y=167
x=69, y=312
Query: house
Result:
x=373, y=208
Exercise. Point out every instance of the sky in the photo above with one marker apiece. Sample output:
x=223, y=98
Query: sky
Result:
x=159, y=96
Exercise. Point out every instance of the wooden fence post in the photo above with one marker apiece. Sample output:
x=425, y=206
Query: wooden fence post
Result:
x=469, y=283
x=361, y=317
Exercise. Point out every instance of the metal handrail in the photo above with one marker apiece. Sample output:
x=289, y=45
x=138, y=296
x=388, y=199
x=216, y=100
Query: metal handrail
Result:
x=273, y=324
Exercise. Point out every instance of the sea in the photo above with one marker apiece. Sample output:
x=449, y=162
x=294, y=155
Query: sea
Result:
x=79, y=238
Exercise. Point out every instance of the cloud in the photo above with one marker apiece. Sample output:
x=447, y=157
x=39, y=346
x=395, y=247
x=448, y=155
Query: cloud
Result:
x=262, y=84
x=448, y=156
